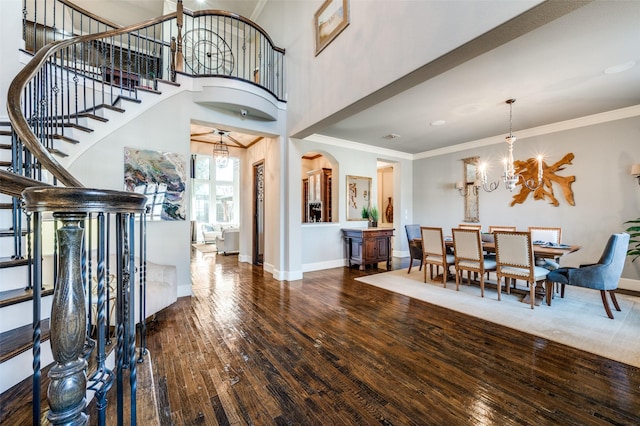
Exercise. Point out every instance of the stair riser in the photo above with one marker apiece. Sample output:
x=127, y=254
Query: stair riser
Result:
x=18, y=368
x=6, y=217
x=14, y=277
x=17, y=276
x=14, y=316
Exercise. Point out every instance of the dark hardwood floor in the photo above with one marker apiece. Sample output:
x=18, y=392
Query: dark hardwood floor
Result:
x=328, y=350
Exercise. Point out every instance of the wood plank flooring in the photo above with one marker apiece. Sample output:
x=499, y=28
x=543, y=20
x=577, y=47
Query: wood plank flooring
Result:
x=328, y=350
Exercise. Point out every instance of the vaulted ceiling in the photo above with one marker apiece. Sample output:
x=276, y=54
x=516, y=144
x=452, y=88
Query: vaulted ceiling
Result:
x=586, y=62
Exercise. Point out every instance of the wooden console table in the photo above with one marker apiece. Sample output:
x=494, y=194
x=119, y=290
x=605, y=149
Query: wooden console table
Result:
x=366, y=246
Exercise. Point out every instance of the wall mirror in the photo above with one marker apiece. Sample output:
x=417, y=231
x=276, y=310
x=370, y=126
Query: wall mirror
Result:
x=471, y=193
x=358, y=196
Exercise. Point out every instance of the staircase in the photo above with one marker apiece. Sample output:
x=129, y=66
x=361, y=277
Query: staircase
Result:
x=72, y=258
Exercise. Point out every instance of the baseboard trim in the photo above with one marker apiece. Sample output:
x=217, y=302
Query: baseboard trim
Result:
x=328, y=264
x=629, y=284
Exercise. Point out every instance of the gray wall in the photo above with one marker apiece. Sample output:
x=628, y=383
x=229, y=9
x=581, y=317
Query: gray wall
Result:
x=606, y=195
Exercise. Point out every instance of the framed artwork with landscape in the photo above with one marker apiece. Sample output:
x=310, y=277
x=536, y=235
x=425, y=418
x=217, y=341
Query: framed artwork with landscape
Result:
x=329, y=21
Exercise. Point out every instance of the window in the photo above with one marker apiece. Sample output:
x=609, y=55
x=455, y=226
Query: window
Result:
x=216, y=191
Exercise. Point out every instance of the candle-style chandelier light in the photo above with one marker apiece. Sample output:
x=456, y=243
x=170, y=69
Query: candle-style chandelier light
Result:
x=510, y=177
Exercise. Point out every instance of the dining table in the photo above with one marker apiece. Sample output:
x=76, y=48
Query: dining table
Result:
x=542, y=250
x=546, y=251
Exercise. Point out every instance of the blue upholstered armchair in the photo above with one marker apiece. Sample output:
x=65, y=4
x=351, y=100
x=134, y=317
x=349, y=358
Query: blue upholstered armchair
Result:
x=415, y=250
x=603, y=276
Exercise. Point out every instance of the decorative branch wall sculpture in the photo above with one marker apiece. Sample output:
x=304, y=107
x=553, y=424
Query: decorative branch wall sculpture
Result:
x=529, y=170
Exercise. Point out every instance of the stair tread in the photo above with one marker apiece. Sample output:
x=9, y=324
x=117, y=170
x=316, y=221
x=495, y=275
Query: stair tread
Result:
x=9, y=233
x=15, y=403
x=9, y=262
x=148, y=89
x=65, y=138
x=19, y=295
x=127, y=98
x=18, y=340
x=57, y=152
x=110, y=107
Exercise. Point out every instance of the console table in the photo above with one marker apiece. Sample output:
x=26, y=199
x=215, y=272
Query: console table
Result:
x=366, y=246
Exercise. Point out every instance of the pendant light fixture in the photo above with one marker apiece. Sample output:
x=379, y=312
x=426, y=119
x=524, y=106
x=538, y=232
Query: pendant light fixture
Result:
x=221, y=152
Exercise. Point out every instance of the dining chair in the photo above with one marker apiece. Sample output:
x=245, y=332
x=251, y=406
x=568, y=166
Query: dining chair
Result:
x=514, y=260
x=492, y=229
x=469, y=226
x=434, y=253
x=603, y=276
x=468, y=256
x=415, y=248
x=549, y=235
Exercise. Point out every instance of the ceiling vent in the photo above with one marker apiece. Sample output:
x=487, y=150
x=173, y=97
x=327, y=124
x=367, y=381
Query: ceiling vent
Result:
x=391, y=136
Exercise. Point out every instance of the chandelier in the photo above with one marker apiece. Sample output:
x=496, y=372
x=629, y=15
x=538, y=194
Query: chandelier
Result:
x=221, y=152
x=510, y=177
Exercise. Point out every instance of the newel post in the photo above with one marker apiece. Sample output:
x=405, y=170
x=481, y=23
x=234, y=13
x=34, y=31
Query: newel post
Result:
x=66, y=393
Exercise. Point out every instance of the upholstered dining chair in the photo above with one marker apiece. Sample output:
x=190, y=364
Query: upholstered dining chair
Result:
x=469, y=226
x=468, y=255
x=434, y=253
x=549, y=235
x=492, y=229
x=514, y=260
x=415, y=249
x=603, y=276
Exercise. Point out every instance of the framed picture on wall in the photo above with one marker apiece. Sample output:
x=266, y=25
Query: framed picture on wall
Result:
x=358, y=196
x=161, y=177
x=329, y=21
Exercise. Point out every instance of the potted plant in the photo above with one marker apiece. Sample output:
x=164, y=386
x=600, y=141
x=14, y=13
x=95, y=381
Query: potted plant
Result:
x=365, y=213
x=634, y=242
x=373, y=216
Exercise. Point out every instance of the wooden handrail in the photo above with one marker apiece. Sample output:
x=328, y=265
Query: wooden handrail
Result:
x=16, y=89
x=13, y=184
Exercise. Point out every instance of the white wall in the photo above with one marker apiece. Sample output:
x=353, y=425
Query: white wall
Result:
x=10, y=41
x=166, y=127
x=606, y=195
x=384, y=41
x=321, y=245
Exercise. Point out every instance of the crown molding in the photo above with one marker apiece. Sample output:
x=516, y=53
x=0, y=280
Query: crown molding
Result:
x=589, y=120
x=357, y=146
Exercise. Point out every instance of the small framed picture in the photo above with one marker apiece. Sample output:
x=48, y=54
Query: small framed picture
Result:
x=330, y=20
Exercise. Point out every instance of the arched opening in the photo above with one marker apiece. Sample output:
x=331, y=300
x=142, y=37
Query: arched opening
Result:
x=319, y=198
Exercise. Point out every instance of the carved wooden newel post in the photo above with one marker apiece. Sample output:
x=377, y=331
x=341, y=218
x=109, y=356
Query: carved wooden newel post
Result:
x=66, y=393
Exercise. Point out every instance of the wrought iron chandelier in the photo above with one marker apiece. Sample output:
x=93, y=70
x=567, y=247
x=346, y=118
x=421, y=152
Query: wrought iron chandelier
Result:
x=221, y=152
x=510, y=177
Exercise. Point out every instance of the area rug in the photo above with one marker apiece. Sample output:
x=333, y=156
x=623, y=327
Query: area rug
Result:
x=205, y=248
x=577, y=320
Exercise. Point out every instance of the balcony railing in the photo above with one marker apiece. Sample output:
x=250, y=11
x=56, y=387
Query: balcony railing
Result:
x=208, y=43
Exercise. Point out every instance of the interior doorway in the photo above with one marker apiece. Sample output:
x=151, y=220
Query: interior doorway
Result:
x=386, y=194
x=258, y=213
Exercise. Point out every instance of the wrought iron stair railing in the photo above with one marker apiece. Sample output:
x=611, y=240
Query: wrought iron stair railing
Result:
x=100, y=236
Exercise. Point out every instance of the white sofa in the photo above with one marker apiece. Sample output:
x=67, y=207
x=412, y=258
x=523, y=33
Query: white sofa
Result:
x=228, y=241
x=211, y=231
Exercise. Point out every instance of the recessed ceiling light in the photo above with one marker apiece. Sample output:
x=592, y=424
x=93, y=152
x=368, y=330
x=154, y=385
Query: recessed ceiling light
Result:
x=620, y=67
x=438, y=123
